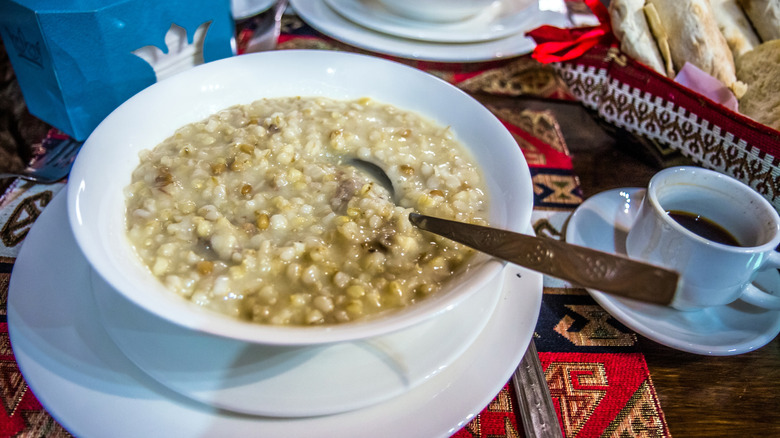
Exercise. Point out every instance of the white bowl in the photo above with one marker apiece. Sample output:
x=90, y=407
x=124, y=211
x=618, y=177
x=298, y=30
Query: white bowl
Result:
x=96, y=203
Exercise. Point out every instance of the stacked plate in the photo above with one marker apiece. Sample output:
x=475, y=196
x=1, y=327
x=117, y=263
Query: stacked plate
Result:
x=134, y=374
x=103, y=363
x=496, y=33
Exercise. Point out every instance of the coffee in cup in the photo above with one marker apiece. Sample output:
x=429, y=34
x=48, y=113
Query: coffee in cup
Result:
x=716, y=231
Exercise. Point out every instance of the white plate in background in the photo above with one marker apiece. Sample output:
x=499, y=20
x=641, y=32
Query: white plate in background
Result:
x=324, y=19
x=501, y=19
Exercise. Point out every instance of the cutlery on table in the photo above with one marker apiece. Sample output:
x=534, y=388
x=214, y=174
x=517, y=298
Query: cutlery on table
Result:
x=537, y=411
x=50, y=167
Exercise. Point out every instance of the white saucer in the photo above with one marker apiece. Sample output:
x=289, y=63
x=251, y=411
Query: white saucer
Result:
x=84, y=380
x=286, y=381
x=321, y=17
x=602, y=222
x=500, y=20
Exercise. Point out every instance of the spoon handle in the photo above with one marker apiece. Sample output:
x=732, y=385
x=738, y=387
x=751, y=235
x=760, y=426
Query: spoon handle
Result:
x=608, y=273
x=540, y=419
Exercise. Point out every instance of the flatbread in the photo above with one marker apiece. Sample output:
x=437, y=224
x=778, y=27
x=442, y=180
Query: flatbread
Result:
x=735, y=27
x=695, y=38
x=760, y=70
x=765, y=17
x=631, y=29
x=661, y=38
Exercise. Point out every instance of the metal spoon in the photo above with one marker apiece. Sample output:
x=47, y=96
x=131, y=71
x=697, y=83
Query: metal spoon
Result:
x=608, y=273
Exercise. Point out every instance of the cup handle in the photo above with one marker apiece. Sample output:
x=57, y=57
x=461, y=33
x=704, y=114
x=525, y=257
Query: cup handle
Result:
x=757, y=297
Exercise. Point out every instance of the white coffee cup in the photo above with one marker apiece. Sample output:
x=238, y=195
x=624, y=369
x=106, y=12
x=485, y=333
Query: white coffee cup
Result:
x=713, y=273
x=437, y=10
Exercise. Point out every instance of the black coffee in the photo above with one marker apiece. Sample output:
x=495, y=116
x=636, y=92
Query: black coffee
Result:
x=703, y=227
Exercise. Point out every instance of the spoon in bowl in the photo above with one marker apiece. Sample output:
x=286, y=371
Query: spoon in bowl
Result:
x=606, y=272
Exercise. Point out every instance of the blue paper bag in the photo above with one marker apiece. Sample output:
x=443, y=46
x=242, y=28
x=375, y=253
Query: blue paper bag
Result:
x=77, y=60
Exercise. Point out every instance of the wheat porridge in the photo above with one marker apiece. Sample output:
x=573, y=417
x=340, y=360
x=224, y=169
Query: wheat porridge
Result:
x=256, y=213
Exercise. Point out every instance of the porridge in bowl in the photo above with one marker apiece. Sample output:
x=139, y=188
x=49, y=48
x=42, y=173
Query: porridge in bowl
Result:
x=257, y=213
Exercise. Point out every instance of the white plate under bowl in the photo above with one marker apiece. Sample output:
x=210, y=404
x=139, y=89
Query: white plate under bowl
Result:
x=103, y=169
x=291, y=381
x=321, y=17
x=602, y=222
x=499, y=20
x=93, y=390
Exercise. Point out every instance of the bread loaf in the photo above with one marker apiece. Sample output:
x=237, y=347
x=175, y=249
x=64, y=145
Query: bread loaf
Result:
x=661, y=38
x=694, y=37
x=765, y=16
x=631, y=29
x=760, y=70
x=735, y=27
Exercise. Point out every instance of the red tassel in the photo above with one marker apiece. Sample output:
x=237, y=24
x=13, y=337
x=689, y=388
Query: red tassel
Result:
x=556, y=44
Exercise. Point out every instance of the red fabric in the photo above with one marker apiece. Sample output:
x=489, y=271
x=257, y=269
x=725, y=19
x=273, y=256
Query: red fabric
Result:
x=555, y=44
x=552, y=157
x=17, y=398
x=597, y=392
x=498, y=419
